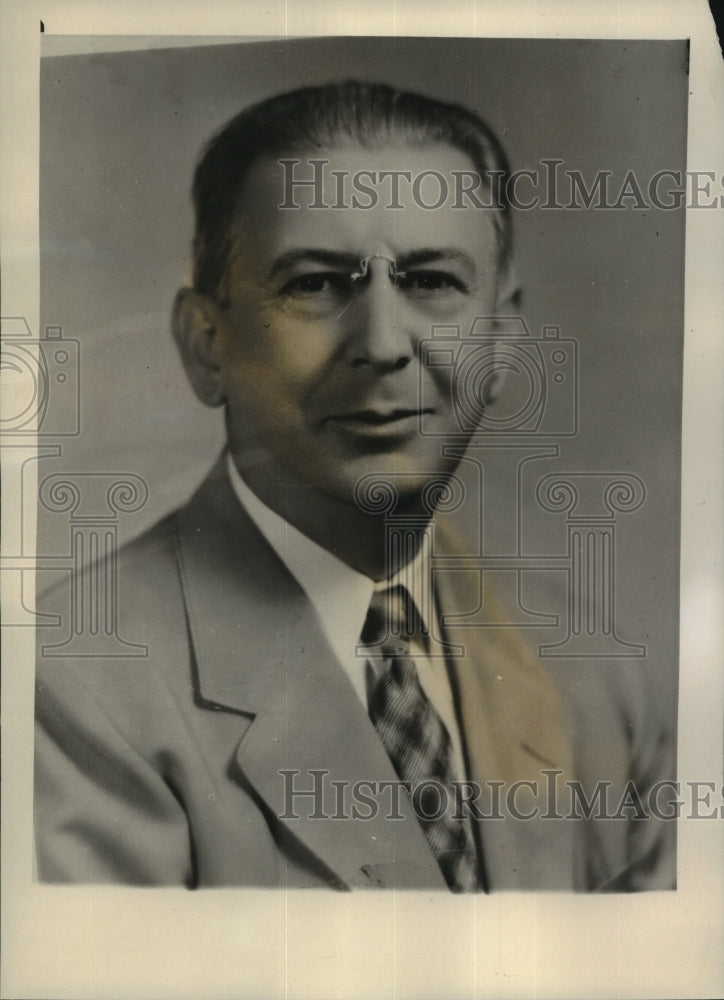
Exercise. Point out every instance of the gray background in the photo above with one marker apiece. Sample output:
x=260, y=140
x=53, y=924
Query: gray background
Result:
x=120, y=134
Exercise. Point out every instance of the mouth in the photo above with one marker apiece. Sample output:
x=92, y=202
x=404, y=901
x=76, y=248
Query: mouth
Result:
x=379, y=422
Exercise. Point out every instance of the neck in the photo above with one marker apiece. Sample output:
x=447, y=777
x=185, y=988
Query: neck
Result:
x=359, y=538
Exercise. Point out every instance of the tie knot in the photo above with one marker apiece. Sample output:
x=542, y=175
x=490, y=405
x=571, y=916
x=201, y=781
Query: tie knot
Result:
x=392, y=618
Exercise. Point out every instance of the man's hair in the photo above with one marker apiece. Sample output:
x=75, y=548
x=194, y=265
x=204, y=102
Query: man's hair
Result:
x=368, y=115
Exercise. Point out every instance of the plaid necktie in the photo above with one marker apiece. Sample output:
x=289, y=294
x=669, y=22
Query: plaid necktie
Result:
x=415, y=737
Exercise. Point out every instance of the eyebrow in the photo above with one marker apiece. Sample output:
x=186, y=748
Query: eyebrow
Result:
x=335, y=258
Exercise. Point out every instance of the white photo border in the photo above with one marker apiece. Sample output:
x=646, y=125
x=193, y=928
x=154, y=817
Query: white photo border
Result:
x=98, y=942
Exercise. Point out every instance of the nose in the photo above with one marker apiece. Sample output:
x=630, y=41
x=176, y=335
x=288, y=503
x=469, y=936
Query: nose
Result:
x=377, y=334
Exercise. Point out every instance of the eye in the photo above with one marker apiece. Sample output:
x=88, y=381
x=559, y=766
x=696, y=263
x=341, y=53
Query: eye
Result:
x=317, y=284
x=431, y=282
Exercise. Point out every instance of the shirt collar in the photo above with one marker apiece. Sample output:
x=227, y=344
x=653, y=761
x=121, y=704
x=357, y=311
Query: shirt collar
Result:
x=340, y=595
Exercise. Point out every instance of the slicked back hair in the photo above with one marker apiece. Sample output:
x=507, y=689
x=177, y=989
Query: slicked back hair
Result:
x=364, y=115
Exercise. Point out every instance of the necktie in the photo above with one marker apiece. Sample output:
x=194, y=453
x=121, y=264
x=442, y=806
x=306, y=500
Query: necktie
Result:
x=416, y=739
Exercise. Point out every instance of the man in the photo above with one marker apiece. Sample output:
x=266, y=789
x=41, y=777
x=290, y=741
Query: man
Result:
x=306, y=716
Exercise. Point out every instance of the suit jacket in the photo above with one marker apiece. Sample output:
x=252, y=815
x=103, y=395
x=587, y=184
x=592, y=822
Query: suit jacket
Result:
x=182, y=766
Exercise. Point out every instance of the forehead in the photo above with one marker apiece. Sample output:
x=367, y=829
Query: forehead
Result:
x=391, y=200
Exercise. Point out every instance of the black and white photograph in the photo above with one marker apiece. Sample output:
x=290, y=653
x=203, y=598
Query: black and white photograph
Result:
x=344, y=456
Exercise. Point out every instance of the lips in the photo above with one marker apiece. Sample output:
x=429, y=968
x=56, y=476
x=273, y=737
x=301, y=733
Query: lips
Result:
x=378, y=417
x=379, y=422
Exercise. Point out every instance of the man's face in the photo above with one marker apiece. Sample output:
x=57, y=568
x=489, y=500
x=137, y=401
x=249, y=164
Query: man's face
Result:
x=321, y=371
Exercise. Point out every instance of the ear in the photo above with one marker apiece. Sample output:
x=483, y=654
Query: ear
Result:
x=194, y=328
x=507, y=304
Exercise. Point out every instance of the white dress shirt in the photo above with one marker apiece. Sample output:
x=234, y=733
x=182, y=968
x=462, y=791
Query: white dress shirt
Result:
x=341, y=597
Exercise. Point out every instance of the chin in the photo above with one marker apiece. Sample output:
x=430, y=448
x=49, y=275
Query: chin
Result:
x=382, y=489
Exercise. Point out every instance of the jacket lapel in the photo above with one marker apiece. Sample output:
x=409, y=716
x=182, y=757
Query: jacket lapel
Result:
x=512, y=726
x=260, y=652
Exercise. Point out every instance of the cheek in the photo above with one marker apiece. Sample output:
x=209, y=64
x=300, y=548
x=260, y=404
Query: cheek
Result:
x=273, y=380
x=275, y=346
x=438, y=378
